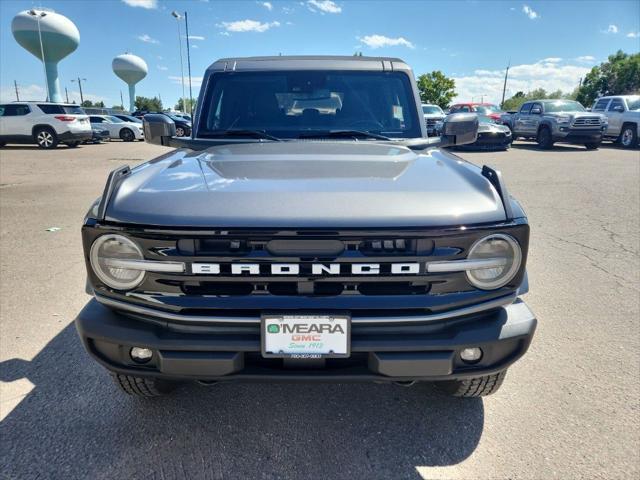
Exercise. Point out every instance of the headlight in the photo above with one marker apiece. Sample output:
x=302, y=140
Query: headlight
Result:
x=563, y=119
x=495, y=247
x=108, y=249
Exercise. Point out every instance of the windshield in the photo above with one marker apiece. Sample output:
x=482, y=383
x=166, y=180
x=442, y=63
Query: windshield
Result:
x=563, y=106
x=633, y=103
x=289, y=104
x=175, y=117
x=486, y=109
x=115, y=119
x=430, y=109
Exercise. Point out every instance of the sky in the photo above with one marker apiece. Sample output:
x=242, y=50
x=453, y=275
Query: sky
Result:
x=550, y=44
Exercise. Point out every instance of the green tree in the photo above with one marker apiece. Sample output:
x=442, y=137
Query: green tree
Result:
x=436, y=88
x=99, y=104
x=619, y=75
x=149, y=104
x=117, y=107
x=191, y=105
x=87, y=103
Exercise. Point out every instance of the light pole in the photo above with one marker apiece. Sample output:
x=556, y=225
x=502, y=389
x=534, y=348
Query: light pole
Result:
x=186, y=25
x=38, y=16
x=177, y=16
x=80, y=80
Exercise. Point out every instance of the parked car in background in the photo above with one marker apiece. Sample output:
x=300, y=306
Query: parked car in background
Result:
x=566, y=121
x=43, y=123
x=487, y=109
x=127, y=118
x=623, y=113
x=492, y=135
x=183, y=127
x=432, y=115
x=98, y=135
x=125, y=131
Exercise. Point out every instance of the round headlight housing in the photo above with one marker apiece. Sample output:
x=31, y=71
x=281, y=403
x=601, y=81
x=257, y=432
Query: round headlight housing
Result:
x=503, y=248
x=109, y=248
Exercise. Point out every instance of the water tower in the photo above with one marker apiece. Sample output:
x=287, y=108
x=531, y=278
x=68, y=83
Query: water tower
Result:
x=131, y=69
x=50, y=37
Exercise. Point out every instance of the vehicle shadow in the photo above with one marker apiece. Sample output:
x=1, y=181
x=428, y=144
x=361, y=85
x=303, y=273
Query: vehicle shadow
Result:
x=75, y=424
x=556, y=147
x=59, y=148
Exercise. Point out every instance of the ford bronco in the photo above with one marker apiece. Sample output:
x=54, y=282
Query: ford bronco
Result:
x=309, y=230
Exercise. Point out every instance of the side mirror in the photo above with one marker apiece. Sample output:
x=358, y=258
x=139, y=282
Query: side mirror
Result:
x=158, y=129
x=536, y=111
x=459, y=129
x=618, y=108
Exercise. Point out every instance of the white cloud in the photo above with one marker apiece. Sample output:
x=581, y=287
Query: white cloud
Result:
x=194, y=46
x=586, y=59
x=248, y=26
x=147, y=39
x=611, y=29
x=195, y=81
x=633, y=35
x=267, y=5
x=196, y=37
x=148, y=4
x=325, y=6
x=526, y=77
x=226, y=34
x=27, y=92
x=378, y=41
x=552, y=60
x=162, y=67
x=530, y=12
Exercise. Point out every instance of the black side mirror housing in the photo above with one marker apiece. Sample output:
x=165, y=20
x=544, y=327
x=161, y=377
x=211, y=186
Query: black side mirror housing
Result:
x=158, y=129
x=536, y=111
x=618, y=108
x=459, y=129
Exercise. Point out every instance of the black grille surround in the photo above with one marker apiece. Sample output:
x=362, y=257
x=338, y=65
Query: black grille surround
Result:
x=246, y=294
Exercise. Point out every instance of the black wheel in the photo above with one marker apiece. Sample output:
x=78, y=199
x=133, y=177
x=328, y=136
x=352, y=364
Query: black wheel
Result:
x=143, y=387
x=544, y=138
x=592, y=145
x=73, y=144
x=473, y=387
x=629, y=136
x=179, y=132
x=45, y=137
x=127, y=135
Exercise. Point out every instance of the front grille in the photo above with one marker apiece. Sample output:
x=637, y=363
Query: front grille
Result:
x=339, y=286
x=587, y=122
x=431, y=122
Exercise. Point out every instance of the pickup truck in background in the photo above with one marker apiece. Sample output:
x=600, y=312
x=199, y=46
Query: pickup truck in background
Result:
x=623, y=113
x=550, y=121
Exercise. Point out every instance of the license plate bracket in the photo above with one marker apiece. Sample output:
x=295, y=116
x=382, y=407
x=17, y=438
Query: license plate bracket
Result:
x=305, y=336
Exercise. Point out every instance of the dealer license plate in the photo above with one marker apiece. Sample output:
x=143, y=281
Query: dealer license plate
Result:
x=306, y=336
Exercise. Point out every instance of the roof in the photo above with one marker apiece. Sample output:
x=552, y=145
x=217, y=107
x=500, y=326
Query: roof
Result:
x=310, y=62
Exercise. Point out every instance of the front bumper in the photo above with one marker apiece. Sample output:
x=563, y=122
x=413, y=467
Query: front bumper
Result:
x=575, y=135
x=394, y=351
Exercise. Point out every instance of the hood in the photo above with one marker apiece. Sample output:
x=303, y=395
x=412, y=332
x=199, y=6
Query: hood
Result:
x=326, y=184
x=433, y=115
x=490, y=127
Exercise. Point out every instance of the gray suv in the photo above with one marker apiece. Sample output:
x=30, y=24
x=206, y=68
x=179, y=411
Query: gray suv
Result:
x=623, y=112
x=550, y=121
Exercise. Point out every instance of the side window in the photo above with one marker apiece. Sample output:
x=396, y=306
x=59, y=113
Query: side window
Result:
x=464, y=108
x=14, y=110
x=526, y=108
x=601, y=105
x=50, y=109
x=95, y=119
x=616, y=102
x=2, y=108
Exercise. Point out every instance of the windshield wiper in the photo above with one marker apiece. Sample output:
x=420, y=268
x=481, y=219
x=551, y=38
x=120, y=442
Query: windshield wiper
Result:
x=342, y=133
x=236, y=132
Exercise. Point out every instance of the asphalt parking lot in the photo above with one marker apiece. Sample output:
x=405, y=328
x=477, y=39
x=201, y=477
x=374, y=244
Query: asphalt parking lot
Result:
x=569, y=409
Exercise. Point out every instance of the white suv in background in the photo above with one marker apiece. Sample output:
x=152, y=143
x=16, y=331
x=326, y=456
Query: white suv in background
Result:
x=118, y=128
x=623, y=112
x=43, y=123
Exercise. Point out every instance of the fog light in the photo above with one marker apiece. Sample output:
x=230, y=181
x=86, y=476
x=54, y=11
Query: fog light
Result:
x=141, y=354
x=471, y=355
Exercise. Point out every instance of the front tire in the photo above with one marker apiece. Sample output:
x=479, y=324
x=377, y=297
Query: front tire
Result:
x=142, y=386
x=629, y=136
x=126, y=135
x=544, y=138
x=592, y=145
x=45, y=138
x=473, y=387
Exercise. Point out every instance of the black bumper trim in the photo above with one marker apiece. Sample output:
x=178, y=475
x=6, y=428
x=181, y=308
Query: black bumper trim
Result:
x=503, y=334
